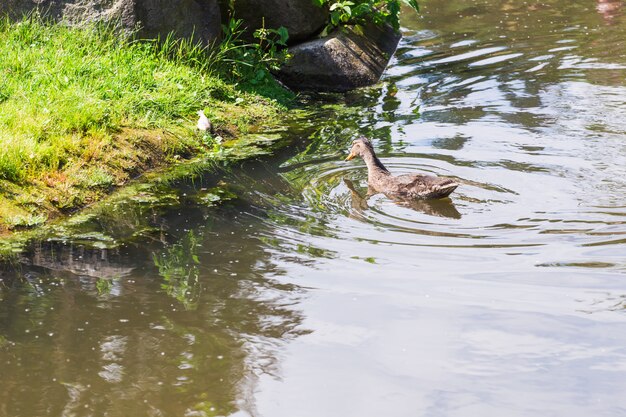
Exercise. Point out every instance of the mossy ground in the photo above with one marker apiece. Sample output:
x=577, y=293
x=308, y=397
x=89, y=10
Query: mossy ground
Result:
x=83, y=110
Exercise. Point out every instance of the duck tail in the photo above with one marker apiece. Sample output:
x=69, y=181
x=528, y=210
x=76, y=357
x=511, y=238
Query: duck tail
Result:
x=444, y=190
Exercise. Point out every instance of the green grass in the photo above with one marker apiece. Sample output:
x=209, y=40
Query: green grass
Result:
x=84, y=109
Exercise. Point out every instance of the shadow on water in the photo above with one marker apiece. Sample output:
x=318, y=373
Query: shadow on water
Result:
x=164, y=327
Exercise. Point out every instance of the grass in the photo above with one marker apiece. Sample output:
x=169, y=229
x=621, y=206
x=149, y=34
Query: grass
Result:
x=84, y=109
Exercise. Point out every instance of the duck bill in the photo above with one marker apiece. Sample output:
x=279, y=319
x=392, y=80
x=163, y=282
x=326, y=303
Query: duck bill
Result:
x=351, y=156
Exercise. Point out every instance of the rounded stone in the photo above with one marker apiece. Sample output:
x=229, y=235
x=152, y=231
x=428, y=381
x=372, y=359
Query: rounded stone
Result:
x=155, y=18
x=345, y=60
x=301, y=18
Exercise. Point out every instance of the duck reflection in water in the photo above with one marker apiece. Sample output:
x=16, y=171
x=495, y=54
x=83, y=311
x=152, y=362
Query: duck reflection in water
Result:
x=440, y=208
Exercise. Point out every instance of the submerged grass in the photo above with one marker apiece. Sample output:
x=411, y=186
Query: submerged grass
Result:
x=85, y=109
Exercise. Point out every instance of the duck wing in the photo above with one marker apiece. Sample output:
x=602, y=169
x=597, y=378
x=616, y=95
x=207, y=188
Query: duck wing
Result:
x=425, y=186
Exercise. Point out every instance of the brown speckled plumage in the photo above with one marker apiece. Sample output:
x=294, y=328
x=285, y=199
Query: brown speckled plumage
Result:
x=405, y=186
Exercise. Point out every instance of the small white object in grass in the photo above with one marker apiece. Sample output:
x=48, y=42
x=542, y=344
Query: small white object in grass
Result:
x=203, y=121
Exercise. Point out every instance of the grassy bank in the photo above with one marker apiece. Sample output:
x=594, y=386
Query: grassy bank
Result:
x=83, y=110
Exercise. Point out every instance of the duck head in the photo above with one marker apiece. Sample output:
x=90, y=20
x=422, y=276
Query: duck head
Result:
x=360, y=147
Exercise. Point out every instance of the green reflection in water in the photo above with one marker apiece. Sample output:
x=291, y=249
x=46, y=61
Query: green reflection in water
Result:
x=178, y=265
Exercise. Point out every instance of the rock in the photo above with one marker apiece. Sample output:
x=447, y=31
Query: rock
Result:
x=301, y=18
x=200, y=18
x=343, y=61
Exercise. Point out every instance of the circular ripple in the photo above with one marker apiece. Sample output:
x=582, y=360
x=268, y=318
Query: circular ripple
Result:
x=337, y=190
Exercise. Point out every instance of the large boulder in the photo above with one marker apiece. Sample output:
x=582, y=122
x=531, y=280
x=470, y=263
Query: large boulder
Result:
x=301, y=18
x=345, y=60
x=200, y=18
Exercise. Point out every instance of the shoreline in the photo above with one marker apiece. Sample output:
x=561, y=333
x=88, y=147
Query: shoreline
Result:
x=124, y=209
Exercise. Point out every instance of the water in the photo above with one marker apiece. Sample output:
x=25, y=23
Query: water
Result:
x=300, y=297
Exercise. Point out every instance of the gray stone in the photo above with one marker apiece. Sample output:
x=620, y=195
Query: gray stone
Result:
x=200, y=18
x=343, y=61
x=301, y=18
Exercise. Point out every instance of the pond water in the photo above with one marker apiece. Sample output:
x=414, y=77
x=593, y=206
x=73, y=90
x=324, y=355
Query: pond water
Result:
x=297, y=296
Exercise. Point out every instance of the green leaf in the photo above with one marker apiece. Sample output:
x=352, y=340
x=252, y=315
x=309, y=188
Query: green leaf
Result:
x=361, y=9
x=284, y=36
x=358, y=29
x=412, y=4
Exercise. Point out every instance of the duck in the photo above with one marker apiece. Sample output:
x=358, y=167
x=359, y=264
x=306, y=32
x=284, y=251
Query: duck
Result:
x=406, y=186
x=443, y=207
x=204, y=123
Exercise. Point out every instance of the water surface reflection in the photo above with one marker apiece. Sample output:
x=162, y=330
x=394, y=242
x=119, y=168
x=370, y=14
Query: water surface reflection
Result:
x=303, y=296
x=179, y=327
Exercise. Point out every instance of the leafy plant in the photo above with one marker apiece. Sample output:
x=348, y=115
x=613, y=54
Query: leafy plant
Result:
x=251, y=61
x=359, y=12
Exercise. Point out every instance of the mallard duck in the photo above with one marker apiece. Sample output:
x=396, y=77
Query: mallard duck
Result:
x=407, y=186
x=439, y=208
